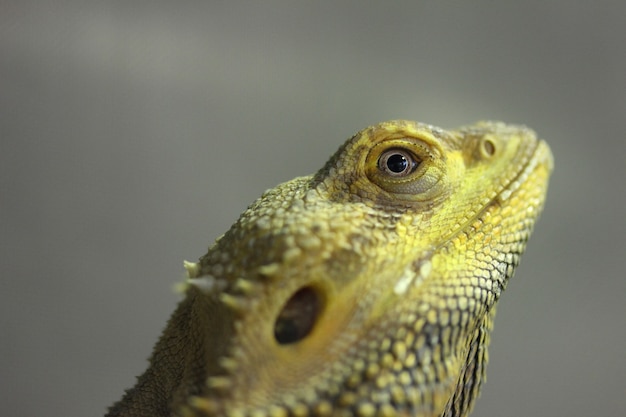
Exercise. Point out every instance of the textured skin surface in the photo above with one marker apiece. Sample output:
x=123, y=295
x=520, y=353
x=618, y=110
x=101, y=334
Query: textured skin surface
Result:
x=397, y=251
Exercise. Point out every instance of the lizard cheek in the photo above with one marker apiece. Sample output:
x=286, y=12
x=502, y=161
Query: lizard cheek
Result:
x=297, y=317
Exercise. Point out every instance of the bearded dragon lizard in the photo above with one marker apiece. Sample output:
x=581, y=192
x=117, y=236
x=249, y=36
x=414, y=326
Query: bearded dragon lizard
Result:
x=367, y=289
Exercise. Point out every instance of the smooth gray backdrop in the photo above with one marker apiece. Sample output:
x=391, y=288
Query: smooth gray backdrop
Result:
x=132, y=134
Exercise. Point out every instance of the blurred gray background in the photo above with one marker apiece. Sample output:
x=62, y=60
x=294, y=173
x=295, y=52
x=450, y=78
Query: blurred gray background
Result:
x=132, y=134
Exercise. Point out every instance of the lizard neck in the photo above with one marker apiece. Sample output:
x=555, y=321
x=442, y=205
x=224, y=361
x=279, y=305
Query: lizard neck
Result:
x=169, y=379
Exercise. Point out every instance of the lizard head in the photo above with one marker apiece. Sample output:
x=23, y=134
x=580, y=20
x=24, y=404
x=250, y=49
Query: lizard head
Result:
x=368, y=288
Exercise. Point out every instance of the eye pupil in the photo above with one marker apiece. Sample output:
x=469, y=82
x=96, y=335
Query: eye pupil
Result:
x=397, y=163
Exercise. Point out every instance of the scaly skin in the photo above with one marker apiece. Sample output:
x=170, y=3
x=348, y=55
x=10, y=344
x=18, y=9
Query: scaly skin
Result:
x=367, y=289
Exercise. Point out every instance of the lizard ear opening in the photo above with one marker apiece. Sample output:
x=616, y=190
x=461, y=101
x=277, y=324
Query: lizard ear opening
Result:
x=297, y=317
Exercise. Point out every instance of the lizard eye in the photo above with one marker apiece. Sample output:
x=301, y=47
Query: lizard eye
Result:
x=297, y=317
x=409, y=168
x=397, y=162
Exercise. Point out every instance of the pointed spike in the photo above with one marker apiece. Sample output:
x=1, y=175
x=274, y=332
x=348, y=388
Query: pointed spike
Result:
x=180, y=287
x=204, y=404
x=220, y=383
x=245, y=286
x=192, y=268
x=237, y=304
x=269, y=271
x=207, y=284
x=228, y=364
x=237, y=351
